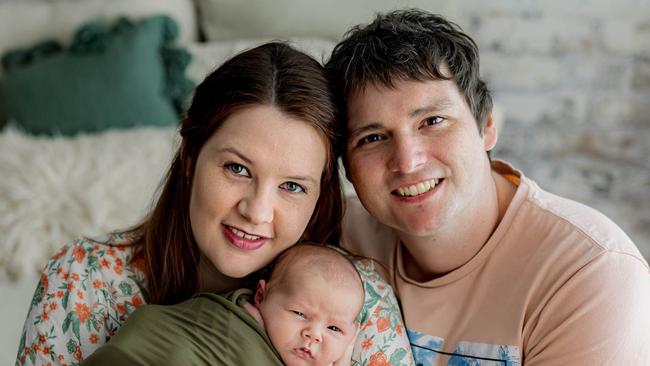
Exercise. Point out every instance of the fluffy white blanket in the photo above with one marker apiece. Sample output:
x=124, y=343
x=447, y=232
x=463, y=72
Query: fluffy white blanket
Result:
x=53, y=190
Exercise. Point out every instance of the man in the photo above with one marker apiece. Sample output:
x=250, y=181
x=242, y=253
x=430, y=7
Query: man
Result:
x=490, y=269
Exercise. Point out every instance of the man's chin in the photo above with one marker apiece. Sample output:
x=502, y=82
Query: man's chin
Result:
x=418, y=230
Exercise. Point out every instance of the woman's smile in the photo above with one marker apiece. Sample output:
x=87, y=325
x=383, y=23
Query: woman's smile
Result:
x=243, y=240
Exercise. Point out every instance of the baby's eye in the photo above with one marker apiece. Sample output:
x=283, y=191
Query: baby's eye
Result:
x=434, y=120
x=334, y=328
x=237, y=169
x=292, y=187
x=298, y=313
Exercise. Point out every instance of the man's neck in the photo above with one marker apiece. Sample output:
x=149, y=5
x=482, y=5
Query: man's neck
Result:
x=455, y=244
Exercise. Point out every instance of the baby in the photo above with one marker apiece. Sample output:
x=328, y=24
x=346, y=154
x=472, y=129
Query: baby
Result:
x=306, y=314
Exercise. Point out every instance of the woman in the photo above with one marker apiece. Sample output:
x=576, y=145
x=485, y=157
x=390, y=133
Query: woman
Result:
x=254, y=174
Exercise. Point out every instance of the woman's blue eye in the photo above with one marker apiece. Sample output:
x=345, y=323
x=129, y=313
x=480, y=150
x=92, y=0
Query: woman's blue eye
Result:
x=292, y=187
x=237, y=169
x=432, y=121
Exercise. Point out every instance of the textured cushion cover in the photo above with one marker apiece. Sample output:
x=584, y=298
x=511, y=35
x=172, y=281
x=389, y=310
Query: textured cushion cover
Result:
x=115, y=77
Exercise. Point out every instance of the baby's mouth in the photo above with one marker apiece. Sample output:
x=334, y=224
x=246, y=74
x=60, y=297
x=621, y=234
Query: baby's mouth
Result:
x=304, y=352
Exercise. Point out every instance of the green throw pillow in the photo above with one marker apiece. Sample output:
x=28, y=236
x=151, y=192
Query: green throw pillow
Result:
x=123, y=76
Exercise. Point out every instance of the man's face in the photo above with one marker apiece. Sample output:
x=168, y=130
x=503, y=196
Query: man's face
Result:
x=415, y=155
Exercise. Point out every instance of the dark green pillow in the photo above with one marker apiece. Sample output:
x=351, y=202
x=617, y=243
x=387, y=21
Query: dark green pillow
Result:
x=128, y=75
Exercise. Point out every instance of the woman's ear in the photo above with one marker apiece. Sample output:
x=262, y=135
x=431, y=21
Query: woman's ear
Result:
x=260, y=292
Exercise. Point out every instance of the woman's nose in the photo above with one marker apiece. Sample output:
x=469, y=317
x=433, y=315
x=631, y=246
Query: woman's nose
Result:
x=257, y=206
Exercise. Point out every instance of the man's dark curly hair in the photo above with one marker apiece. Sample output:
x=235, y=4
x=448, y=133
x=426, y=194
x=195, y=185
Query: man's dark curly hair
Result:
x=409, y=44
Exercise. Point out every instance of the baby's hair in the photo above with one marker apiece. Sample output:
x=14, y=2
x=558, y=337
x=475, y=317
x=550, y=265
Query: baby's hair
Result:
x=329, y=263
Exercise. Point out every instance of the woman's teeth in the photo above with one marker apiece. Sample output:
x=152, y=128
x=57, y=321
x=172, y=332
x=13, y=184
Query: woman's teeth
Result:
x=418, y=189
x=242, y=234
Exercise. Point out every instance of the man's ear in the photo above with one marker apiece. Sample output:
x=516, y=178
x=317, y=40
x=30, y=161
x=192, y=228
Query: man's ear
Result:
x=490, y=132
x=260, y=292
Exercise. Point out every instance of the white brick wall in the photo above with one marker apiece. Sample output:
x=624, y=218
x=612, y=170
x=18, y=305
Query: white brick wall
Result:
x=572, y=79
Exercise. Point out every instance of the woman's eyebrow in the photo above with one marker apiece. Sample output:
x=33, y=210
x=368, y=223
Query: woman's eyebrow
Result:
x=235, y=152
x=302, y=178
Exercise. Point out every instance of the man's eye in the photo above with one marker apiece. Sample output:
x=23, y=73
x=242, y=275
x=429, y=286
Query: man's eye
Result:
x=369, y=139
x=237, y=169
x=432, y=121
x=334, y=328
x=292, y=187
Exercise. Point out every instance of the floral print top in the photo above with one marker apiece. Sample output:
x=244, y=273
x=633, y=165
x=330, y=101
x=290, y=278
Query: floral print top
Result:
x=91, y=286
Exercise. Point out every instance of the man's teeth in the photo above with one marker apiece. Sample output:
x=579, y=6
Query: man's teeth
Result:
x=418, y=189
x=242, y=234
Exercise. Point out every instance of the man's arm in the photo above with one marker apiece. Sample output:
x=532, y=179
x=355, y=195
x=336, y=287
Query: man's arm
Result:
x=600, y=316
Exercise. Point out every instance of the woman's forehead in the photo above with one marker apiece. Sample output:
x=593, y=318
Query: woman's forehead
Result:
x=266, y=136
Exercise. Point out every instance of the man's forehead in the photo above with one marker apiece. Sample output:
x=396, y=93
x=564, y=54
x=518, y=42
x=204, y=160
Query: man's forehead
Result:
x=409, y=98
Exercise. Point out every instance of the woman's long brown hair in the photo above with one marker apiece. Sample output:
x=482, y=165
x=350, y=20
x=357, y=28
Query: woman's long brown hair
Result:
x=272, y=74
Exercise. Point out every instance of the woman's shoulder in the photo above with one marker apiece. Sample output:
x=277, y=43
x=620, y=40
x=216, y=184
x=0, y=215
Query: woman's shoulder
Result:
x=109, y=264
x=114, y=250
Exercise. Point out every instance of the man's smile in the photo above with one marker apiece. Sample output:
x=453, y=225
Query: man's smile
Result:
x=417, y=189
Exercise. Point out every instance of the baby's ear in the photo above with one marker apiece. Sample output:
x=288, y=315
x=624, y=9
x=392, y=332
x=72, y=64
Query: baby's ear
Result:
x=260, y=292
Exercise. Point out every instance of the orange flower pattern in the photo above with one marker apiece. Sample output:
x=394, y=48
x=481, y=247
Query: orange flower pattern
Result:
x=381, y=341
x=79, y=302
x=90, y=287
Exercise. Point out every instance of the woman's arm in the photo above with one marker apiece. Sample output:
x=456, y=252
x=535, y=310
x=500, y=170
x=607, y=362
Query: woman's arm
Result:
x=84, y=294
x=382, y=337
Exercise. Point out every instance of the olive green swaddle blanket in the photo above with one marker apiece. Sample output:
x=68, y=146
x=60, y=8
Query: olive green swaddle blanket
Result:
x=208, y=329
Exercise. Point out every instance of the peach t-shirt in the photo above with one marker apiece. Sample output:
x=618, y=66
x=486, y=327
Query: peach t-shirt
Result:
x=558, y=283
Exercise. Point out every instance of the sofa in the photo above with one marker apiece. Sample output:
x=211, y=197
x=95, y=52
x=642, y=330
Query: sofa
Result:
x=60, y=180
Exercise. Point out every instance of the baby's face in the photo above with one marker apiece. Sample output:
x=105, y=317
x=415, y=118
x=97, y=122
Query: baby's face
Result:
x=309, y=321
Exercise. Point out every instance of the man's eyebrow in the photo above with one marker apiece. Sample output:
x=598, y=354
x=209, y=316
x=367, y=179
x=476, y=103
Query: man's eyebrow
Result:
x=440, y=105
x=364, y=128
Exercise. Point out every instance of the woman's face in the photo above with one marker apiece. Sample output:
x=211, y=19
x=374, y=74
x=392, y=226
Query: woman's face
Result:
x=255, y=187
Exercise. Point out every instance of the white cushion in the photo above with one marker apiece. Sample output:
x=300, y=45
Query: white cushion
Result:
x=24, y=23
x=230, y=19
x=53, y=190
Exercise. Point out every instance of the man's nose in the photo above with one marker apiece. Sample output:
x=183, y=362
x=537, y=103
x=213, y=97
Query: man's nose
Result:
x=257, y=206
x=408, y=155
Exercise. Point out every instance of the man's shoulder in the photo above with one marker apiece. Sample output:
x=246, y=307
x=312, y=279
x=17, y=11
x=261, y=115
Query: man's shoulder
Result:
x=364, y=235
x=549, y=215
x=561, y=216
x=591, y=222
